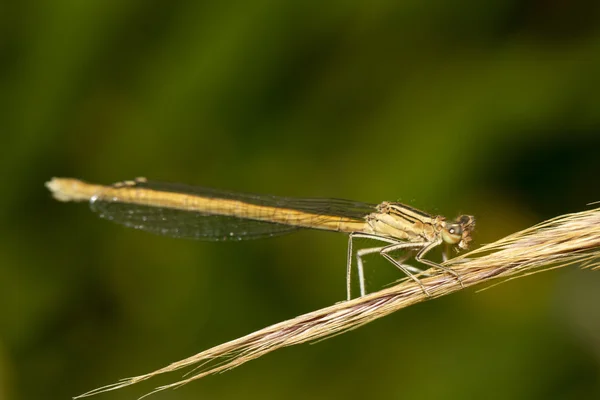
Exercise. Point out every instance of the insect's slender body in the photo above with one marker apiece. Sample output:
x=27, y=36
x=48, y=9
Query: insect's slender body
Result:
x=208, y=214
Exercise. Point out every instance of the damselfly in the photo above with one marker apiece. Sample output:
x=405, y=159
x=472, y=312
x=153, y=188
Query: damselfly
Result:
x=208, y=214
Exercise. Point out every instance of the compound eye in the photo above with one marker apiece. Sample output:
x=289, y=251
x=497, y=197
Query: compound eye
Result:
x=455, y=229
x=465, y=220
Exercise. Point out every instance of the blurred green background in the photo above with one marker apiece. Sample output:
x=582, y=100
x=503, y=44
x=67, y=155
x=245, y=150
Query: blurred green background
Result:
x=488, y=108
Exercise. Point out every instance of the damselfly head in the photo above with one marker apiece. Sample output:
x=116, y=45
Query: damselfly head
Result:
x=459, y=231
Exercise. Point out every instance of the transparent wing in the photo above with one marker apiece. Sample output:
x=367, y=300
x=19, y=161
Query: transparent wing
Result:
x=176, y=222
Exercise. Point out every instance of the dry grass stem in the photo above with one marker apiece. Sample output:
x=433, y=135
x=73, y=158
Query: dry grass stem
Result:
x=565, y=240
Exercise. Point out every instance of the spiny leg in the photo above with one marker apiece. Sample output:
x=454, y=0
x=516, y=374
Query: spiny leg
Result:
x=425, y=250
x=359, y=265
x=359, y=254
x=398, y=264
x=415, y=270
x=349, y=269
x=384, y=250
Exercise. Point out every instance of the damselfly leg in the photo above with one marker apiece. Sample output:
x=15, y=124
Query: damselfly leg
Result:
x=394, y=245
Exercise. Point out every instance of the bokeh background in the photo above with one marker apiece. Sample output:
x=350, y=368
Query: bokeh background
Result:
x=489, y=108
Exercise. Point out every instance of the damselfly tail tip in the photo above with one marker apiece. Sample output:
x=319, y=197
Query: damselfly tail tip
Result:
x=55, y=186
x=66, y=189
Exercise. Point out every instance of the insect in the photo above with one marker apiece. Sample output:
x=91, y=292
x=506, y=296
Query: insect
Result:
x=179, y=210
